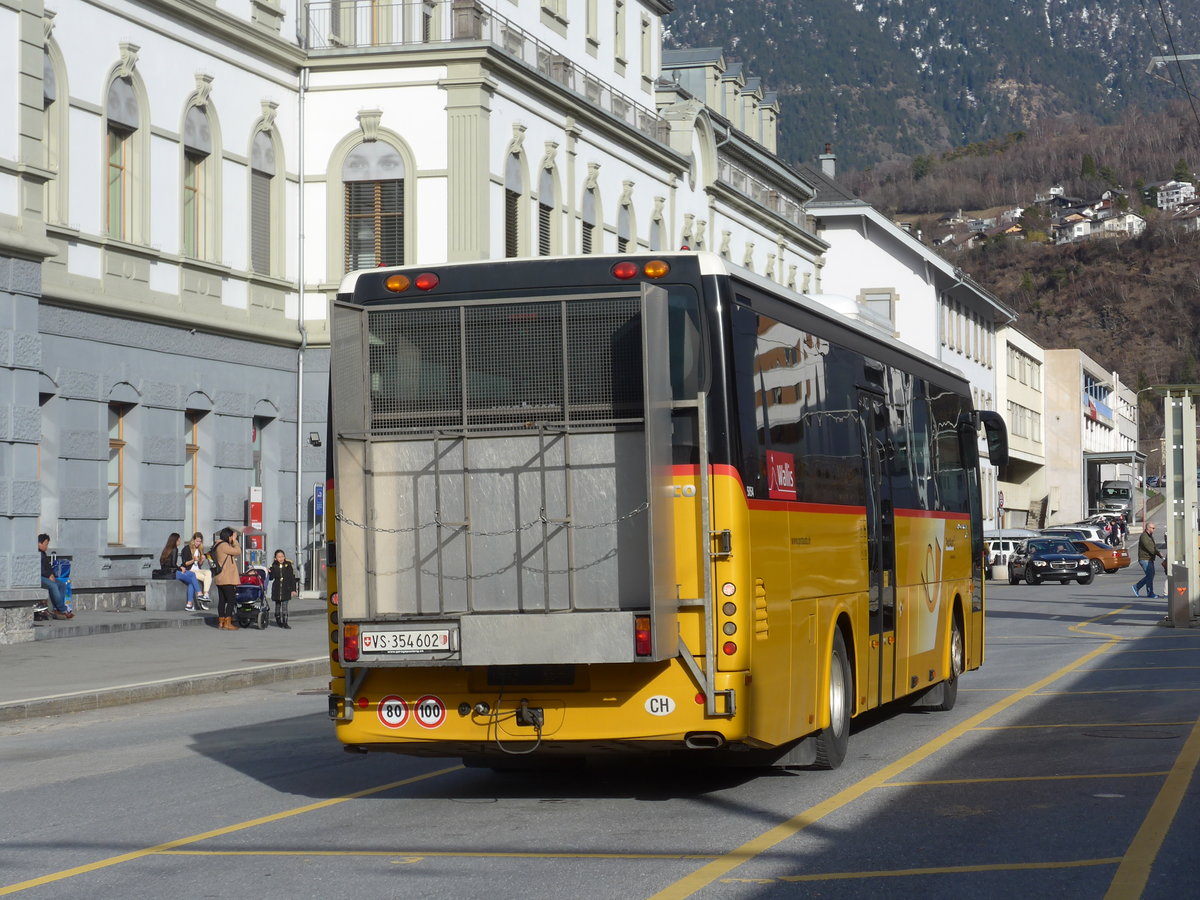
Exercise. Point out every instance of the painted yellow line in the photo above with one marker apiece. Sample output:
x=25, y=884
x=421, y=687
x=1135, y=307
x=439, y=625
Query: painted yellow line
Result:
x=1083, y=725
x=1134, y=871
x=216, y=832
x=418, y=854
x=1099, y=775
x=953, y=870
x=716, y=869
x=1120, y=690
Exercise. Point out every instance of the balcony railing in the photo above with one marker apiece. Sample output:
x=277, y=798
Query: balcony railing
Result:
x=360, y=24
x=761, y=193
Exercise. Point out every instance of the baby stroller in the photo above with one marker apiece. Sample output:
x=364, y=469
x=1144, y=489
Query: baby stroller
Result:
x=252, y=598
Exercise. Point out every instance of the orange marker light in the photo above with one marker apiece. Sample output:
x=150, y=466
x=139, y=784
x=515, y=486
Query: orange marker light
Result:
x=642, y=643
x=656, y=268
x=397, y=283
x=426, y=281
x=625, y=270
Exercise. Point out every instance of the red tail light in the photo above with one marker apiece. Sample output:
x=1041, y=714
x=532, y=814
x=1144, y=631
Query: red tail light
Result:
x=642, y=644
x=350, y=643
x=426, y=281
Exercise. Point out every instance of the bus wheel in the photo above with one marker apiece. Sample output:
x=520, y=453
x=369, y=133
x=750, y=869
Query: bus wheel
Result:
x=832, y=742
x=950, y=685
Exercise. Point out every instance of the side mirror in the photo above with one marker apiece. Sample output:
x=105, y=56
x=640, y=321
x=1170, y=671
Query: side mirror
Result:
x=996, y=433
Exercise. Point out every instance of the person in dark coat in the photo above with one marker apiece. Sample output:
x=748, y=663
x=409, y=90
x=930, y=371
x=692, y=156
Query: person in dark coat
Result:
x=283, y=587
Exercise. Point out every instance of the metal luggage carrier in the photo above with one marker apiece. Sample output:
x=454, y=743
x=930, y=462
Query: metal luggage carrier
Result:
x=496, y=470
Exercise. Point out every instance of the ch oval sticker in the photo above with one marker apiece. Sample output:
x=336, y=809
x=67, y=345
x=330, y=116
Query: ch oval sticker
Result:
x=660, y=706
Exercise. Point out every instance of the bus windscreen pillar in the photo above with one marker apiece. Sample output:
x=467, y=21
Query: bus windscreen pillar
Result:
x=1182, y=524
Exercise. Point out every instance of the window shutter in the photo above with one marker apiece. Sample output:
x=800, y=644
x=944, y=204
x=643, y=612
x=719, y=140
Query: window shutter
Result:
x=543, y=230
x=374, y=224
x=511, y=209
x=260, y=222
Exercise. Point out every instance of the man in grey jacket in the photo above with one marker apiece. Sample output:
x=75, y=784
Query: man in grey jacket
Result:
x=1147, y=553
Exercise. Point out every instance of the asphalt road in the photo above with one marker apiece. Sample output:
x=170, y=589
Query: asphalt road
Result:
x=1067, y=769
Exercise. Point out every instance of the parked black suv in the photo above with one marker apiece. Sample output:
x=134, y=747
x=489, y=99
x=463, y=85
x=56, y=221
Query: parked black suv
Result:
x=1049, y=559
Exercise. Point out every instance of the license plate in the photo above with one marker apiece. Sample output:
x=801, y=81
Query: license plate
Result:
x=431, y=640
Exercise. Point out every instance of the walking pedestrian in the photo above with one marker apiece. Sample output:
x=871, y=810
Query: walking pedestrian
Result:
x=1147, y=553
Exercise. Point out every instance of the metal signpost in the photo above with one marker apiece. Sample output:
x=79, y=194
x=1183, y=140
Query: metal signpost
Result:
x=1183, y=527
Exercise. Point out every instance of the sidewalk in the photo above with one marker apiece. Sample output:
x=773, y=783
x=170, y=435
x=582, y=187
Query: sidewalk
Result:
x=114, y=657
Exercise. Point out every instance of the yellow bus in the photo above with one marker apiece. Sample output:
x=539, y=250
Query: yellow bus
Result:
x=641, y=503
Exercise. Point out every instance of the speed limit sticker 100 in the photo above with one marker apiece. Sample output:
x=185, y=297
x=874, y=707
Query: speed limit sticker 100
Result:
x=430, y=711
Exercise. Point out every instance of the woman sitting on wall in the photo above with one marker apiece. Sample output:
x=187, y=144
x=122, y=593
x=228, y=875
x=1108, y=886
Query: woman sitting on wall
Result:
x=169, y=559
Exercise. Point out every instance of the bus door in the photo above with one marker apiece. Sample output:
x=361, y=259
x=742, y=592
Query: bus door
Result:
x=881, y=550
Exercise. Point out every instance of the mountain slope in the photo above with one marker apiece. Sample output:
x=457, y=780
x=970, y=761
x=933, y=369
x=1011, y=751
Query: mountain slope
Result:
x=883, y=79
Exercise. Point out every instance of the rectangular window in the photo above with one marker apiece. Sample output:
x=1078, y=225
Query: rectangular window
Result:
x=118, y=181
x=116, y=474
x=191, y=469
x=193, y=205
x=619, y=49
x=647, y=74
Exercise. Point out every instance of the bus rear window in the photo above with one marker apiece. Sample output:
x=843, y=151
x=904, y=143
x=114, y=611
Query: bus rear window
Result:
x=483, y=365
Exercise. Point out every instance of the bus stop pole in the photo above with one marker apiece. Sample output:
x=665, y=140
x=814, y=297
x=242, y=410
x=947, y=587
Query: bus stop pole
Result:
x=1183, y=528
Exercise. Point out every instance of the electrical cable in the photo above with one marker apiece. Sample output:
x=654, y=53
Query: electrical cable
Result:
x=1178, y=64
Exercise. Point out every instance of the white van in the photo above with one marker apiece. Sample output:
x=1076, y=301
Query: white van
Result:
x=1116, y=496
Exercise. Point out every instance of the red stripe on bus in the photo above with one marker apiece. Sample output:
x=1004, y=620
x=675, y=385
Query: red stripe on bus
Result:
x=933, y=514
x=797, y=506
x=727, y=471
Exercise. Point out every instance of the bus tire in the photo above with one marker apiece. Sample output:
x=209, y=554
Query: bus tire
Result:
x=957, y=663
x=831, y=743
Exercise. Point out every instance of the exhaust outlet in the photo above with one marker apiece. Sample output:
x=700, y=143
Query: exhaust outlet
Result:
x=704, y=740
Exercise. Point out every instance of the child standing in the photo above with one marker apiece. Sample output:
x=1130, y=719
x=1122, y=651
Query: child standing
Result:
x=283, y=587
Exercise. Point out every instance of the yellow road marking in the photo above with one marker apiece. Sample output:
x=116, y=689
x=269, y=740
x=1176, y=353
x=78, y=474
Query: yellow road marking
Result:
x=1121, y=690
x=953, y=870
x=1101, y=775
x=418, y=854
x=216, y=832
x=1083, y=725
x=707, y=874
x=1134, y=871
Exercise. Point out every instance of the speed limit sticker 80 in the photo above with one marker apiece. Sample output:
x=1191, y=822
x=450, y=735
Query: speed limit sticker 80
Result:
x=393, y=711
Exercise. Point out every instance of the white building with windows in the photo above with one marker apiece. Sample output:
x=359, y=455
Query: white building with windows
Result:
x=1020, y=398
x=187, y=183
x=1093, y=418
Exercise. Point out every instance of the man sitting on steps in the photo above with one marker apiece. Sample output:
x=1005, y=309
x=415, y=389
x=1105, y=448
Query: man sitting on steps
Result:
x=50, y=583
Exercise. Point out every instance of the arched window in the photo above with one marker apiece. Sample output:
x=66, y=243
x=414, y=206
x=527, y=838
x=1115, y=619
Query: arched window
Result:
x=513, y=188
x=546, y=213
x=124, y=120
x=374, y=178
x=198, y=189
x=587, y=237
x=262, y=178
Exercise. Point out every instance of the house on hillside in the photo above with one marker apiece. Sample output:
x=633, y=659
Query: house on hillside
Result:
x=1169, y=194
x=1185, y=217
x=1125, y=224
x=1049, y=194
